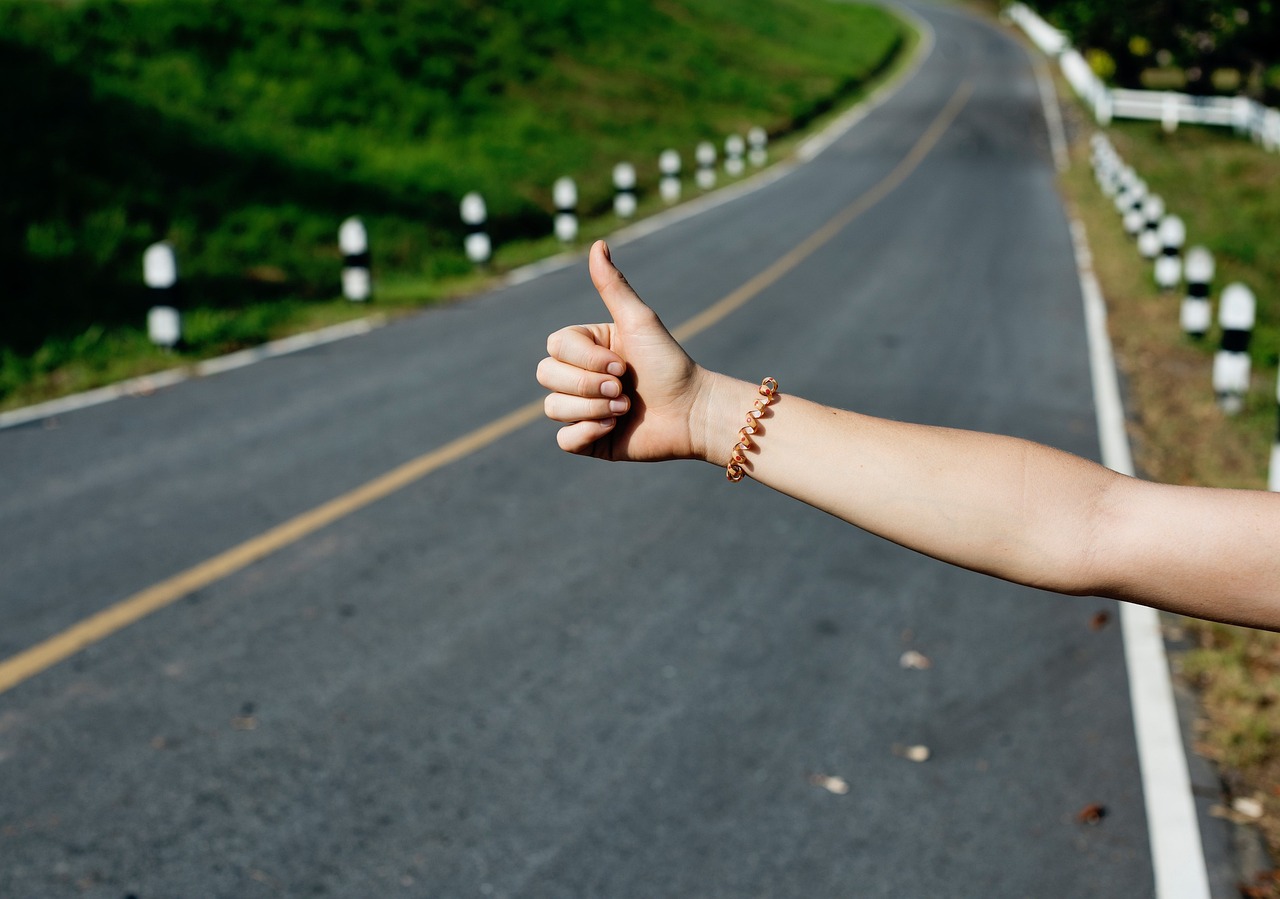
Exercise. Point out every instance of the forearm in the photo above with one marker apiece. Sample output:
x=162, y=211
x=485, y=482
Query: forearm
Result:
x=1012, y=508
x=995, y=504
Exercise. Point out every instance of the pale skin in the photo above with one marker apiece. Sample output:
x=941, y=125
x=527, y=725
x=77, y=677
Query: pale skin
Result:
x=625, y=390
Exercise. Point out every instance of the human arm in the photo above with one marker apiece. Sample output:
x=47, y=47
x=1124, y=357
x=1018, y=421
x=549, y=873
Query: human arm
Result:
x=1007, y=507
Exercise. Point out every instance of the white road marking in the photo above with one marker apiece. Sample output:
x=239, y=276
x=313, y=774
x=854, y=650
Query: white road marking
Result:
x=1177, y=855
x=147, y=384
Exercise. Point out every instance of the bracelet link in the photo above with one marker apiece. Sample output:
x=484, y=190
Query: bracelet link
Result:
x=748, y=435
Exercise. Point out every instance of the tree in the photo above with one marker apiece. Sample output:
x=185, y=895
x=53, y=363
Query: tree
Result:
x=1198, y=36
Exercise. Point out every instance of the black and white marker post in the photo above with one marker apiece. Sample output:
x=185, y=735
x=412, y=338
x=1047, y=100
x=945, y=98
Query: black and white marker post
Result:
x=734, y=148
x=624, y=184
x=706, y=156
x=474, y=215
x=669, y=167
x=758, y=139
x=357, y=279
x=1172, y=234
x=1149, y=235
x=160, y=274
x=565, y=195
x=1127, y=187
x=1236, y=315
x=1129, y=204
x=1197, y=313
x=1106, y=164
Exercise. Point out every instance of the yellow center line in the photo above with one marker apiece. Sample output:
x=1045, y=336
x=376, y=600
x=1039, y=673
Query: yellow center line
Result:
x=806, y=248
x=30, y=662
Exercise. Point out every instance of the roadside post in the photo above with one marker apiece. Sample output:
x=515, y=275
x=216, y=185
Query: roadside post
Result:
x=1148, y=236
x=1129, y=203
x=160, y=274
x=1172, y=234
x=474, y=215
x=669, y=185
x=1196, y=311
x=1125, y=180
x=353, y=241
x=734, y=147
x=1106, y=165
x=624, y=183
x=565, y=195
x=758, y=139
x=706, y=156
x=1231, y=372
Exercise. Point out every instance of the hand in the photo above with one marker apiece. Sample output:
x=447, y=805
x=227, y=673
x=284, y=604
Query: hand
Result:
x=625, y=389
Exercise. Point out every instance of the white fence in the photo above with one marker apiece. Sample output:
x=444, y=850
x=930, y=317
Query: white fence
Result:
x=1170, y=108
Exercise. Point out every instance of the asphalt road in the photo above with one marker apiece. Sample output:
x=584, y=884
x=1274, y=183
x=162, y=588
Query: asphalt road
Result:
x=531, y=675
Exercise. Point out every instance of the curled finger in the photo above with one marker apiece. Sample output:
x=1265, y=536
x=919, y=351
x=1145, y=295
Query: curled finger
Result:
x=586, y=347
x=563, y=377
x=580, y=437
x=565, y=407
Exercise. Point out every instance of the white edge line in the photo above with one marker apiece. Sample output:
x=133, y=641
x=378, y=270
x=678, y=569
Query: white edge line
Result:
x=147, y=384
x=1177, y=854
x=811, y=147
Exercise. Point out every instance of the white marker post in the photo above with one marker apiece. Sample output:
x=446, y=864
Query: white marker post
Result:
x=1231, y=372
x=1172, y=234
x=1106, y=165
x=758, y=139
x=1125, y=179
x=706, y=156
x=624, y=183
x=565, y=195
x=474, y=215
x=734, y=148
x=669, y=185
x=1133, y=200
x=160, y=274
x=353, y=241
x=1197, y=313
x=1148, y=236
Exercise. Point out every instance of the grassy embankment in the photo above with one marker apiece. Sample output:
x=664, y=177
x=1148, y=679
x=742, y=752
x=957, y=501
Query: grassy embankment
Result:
x=1228, y=192
x=245, y=133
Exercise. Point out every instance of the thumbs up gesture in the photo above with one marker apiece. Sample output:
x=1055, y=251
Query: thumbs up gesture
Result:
x=624, y=389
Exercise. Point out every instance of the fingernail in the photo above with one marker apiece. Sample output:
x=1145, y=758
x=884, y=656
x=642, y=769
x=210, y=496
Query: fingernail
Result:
x=617, y=406
x=607, y=254
x=610, y=388
x=617, y=369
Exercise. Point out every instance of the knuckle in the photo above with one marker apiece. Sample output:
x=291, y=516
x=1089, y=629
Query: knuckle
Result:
x=555, y=343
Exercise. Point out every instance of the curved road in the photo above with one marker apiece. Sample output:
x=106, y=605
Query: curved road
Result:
x=525, y=674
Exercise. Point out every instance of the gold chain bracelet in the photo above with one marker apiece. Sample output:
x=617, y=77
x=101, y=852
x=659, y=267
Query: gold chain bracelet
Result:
x=768, y=393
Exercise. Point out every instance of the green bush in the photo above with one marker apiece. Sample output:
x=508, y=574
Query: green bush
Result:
x=244, y=133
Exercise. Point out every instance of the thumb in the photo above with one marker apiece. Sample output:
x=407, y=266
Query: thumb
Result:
x=622, y=302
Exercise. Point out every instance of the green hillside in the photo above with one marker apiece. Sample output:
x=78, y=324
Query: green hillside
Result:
x=245, y=133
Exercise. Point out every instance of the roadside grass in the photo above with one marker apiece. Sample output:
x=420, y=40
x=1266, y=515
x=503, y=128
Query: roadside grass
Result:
x=1228, y=192
x=231, y=131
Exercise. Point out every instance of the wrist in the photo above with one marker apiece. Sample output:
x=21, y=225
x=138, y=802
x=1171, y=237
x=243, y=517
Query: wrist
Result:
x=716, y=416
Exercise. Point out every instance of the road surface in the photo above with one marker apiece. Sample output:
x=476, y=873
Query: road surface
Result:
x=525, y=674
